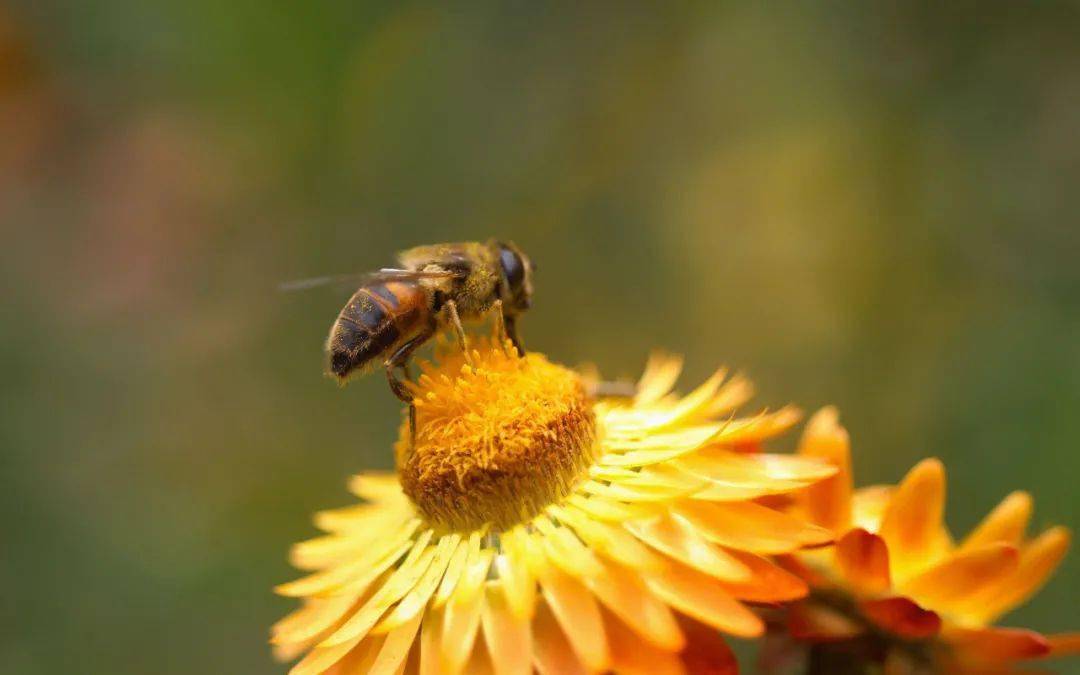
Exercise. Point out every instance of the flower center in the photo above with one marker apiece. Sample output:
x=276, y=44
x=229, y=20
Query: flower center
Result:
x=496, y=441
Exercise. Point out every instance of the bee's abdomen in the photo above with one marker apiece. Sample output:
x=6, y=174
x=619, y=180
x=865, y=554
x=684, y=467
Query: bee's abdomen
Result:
x=374, y=320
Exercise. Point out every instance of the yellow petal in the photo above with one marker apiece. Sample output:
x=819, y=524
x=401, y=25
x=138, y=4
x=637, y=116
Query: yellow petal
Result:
x=750, y=527
x=351, y=579
x=577, y=612
x=636, y=493
x=461, y=620
x=656, y=448
x=912, y=522
x=961, y=574
x=661, y=372
x=738, y=476
x=326, y=551
x=631, y=656
x=613, y=510
x=762, y=427
x=1038, y=560
x=395, y=648
x=376, y=487
x=552, y=652
x=463, y=556
x=625, y=594
x=611, y=541
x=508, y=637
x=431, y=643
x=400, y=582
x=676, y=538
x=702, y=598
x=868, y=506
x=563, y=548
x=828, y=503
x=413, y=603
x=515, y=575
x=312, y=620
x=735, y=392
x=1006, y=523
x=321, y=658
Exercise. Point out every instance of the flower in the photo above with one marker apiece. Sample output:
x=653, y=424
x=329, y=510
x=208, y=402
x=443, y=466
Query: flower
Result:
x=530, y=525
x=897, y=589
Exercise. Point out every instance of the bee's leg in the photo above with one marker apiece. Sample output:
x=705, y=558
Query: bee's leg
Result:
x=510, y=326
x=459, y=330
x=400, y=359
x=500, y=326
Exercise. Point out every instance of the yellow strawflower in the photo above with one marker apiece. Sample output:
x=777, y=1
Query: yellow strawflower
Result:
x=531, y=526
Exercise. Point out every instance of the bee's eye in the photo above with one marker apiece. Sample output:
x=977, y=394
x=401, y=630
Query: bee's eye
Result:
x=513, y=268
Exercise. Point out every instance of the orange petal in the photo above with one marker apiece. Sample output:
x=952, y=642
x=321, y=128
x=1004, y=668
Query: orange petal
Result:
x=630, y=655
x=703, y=598
x=679, y=539
x=863, y=559
x=996, y=645
x=912, y=523
x=961, y=574
x=706, y=652
x=828, y=503
x=751, y=527
x=1038, y=559
x=579, y=615
x=625, y=595
x=507, y=635
x=552, y=653
x=767, y=581
x=1006, y=523
x=902, y=617
x=1064, y=644
x=395, y=649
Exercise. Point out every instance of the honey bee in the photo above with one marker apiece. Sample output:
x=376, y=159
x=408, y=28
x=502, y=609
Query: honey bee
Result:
x=396, y=310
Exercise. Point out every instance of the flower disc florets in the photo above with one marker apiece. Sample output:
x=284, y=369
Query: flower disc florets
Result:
x=497, y=440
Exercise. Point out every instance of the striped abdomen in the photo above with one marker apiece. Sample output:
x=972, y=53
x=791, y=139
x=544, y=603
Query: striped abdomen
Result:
x=377, y=319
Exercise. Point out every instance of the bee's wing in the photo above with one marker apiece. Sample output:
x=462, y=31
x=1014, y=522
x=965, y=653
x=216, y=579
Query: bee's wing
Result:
x=359, y=279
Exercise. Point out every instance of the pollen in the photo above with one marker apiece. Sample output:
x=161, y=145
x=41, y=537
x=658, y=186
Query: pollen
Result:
x=498, y=438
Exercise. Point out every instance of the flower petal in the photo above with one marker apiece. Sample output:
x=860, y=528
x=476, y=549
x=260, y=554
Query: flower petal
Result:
x=661, y=372
x=678, y=539
x=625, y=595
x=751, y=527
x=902, y=617
x=863, y=559
x=632, y=656
x=704, y=599
x=461, y=616
x=961, y=574
x=507, y=635
x=576, y=610
x=996, y=645
x=706, y=652
x=395, y=648
x=767, y=582
x=912, y=523
x=552, y=653
x=1006, y=523
x=817, y=623
x=828, y=503
x=1038, y=560
x=415, y=601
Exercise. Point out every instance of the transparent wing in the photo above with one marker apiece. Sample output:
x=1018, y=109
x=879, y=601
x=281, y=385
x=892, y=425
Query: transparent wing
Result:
x=361, y=278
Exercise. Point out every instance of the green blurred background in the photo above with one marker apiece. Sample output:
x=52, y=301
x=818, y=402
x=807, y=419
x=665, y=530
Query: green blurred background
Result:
x=867, y=204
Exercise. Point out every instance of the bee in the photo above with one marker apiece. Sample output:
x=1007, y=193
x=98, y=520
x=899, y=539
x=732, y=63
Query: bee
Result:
x=436, y=287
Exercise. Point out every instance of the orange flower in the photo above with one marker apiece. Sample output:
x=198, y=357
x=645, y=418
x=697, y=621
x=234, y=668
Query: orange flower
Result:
x=896, y=581
x=530, y=526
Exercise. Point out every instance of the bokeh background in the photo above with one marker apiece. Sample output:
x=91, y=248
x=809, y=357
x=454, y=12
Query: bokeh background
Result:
x=868, y=204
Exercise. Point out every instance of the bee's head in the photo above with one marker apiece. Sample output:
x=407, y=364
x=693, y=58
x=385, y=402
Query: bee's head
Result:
x=516, y=270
